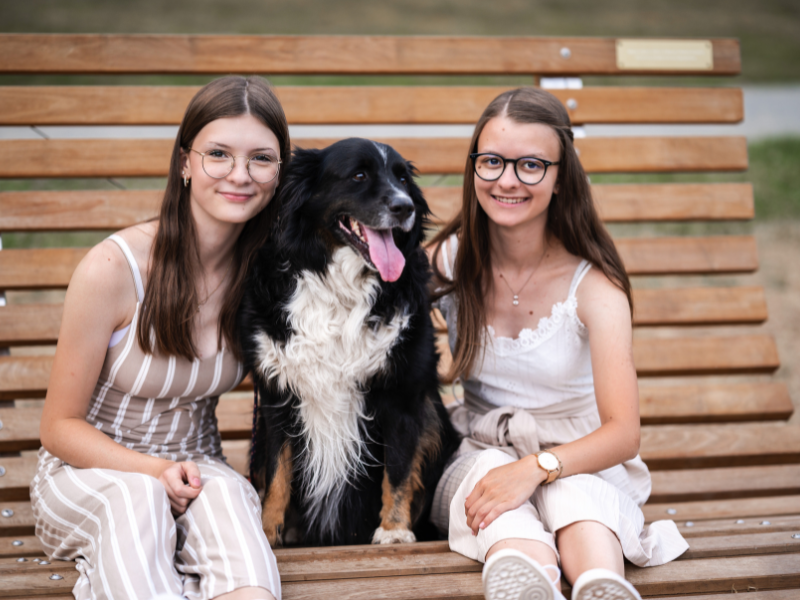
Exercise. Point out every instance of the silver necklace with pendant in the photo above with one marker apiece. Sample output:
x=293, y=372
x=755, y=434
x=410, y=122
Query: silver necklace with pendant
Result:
x=515, y=299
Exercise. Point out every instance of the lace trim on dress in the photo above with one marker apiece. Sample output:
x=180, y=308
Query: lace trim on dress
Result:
x=562, y=312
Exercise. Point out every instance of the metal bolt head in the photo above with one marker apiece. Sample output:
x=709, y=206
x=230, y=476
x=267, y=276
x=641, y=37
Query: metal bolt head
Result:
x=796, y=536
x=56, y=576
x=689, y=524
x=2, y=470
x=765, y=523
x=565, y=52
x=7, y=512
x=37, y=560
x=22, y=559
x=740, y=521
x=572, y=104
x=43, y=562
x=1, y=424
x=16, y=543
x=672, y=511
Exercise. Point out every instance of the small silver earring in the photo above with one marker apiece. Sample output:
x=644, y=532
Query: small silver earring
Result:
x=185, y=179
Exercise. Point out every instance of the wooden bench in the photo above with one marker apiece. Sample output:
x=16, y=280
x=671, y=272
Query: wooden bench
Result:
x=725, y=465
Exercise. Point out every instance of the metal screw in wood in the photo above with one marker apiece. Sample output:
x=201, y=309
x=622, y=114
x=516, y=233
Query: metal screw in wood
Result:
x=43, y=562
x=566, y=52
x=740, y=521
x=56, y=576
x=672, y=511
x=689, y=524
x=22, y=559
x=7, y=512
x=572, y=104
x=765, y=523
x=2, y=471
x=17, y=543
x=796, y=536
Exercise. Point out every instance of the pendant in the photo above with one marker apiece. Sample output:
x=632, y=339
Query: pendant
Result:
x=515, y=301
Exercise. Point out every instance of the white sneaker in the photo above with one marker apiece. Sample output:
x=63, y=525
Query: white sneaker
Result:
x=512, y=575
x=602, y=584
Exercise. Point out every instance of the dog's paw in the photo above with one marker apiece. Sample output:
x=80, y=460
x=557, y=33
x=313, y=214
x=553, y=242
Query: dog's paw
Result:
x=393, y=536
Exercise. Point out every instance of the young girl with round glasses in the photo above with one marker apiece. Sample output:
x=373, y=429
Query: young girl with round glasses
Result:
x=538, y=308
x=131, y=481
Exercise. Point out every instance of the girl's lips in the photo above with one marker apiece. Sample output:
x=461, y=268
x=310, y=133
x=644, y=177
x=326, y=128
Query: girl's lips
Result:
x=231, y=197
x=509, y=200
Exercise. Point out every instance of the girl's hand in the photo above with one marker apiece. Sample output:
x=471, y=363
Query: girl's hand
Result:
x=182, y=482
x=502, y=489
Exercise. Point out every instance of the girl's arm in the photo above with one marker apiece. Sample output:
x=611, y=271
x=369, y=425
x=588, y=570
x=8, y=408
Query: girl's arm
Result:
x=604, y=310
x=100, y=298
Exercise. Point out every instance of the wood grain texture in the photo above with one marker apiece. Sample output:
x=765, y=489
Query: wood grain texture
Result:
x=699, y=306
x=723, y=483
x=703, y=446
x=280, y=54
x=115, y=209
x=313, y=105
x=705, y=356
x=708, y=403
x=43, y=268
x=739, y=508
x=29, y=324
x=738, y=526
x=688, y=255
x=150, y=158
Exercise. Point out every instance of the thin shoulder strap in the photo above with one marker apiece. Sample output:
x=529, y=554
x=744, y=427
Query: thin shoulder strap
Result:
x=448, y=266
x=137, y=277
x=580, y=272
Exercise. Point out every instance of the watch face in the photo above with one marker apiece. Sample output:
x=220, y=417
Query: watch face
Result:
x=548, y=461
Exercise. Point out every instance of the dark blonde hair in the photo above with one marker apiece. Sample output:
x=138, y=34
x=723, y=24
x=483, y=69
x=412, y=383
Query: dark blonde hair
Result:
x=171, y=300
x=571, y=218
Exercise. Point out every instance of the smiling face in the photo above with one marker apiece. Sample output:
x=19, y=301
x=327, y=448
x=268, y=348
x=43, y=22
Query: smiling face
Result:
x=235, y=198
x=507, y=201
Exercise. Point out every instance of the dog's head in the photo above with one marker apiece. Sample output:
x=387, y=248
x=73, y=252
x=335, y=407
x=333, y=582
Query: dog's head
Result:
x=355, y=192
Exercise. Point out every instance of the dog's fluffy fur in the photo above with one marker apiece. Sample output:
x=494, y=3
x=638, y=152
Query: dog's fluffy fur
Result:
x=351, y=434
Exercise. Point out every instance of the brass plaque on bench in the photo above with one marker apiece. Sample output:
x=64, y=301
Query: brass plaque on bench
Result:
x=667, y=55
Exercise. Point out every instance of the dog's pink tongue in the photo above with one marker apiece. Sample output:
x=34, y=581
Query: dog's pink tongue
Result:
x=384, y=254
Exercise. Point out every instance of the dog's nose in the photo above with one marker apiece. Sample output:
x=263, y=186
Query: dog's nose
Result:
x=401, y=207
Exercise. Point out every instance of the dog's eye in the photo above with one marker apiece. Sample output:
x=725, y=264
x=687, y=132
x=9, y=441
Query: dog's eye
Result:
x=404, y=180
x=360, y=176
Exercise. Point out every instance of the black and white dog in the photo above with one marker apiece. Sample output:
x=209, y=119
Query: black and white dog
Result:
x=351, y=434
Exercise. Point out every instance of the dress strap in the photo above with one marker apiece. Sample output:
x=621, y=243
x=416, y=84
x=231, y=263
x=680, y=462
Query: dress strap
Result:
x=137, y=276
x=448, y=265
x=580, y=272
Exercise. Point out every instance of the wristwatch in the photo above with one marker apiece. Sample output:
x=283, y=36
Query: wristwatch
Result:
x=549, y=463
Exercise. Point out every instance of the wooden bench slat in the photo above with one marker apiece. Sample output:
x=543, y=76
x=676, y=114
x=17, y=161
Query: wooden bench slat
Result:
x=314, y=105
x=150, y=158
x=729, y=482
x=115, y=209
x=737, y=508
x=710, y=403
x=703, y=446
x=280, y=54
x=688, y=255
x=43, y=268
x=705, y=356
x=739, y=526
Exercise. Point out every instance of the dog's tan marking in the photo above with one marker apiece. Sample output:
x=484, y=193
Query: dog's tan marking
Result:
x=398, y=510
x=276, y=500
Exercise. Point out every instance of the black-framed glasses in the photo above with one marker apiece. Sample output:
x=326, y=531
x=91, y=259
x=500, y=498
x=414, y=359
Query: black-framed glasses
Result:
x=218, y=164
x=529, y=170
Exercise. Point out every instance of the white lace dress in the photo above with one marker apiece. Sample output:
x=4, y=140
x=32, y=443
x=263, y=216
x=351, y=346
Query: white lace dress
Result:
x=531, y=393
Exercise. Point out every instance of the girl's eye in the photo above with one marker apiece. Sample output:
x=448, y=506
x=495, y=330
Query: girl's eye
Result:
x=532, y=165
x=217, y=154
x=492, y=161
x=360, y=177
x=263, y=159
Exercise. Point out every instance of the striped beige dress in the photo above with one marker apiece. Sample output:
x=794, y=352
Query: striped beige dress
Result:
x=118, y=526
x=535, y=392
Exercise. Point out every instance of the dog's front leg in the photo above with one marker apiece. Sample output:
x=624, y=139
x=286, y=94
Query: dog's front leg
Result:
x=401, y=485
x=276, y=498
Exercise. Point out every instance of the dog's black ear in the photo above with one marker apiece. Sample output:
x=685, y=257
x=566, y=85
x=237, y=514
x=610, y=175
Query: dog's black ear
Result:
x=299, y=221
x=421, y=208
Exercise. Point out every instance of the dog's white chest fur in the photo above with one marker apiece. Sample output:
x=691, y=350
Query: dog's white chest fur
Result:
x=331, y=354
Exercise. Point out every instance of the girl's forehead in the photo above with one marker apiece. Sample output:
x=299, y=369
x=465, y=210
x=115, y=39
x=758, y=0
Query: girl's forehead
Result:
x=243, y=131
x=501, y=134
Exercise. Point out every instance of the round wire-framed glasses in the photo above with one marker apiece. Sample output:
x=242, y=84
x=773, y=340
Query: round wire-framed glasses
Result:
x=218, y=164
x=529, y=170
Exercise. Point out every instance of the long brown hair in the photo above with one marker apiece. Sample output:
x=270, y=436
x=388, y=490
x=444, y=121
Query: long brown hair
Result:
x=571, y=218
x=171, y=300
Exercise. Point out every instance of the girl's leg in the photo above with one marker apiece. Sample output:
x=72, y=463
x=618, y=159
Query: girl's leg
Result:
x=589, y=545
x=247, y=593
